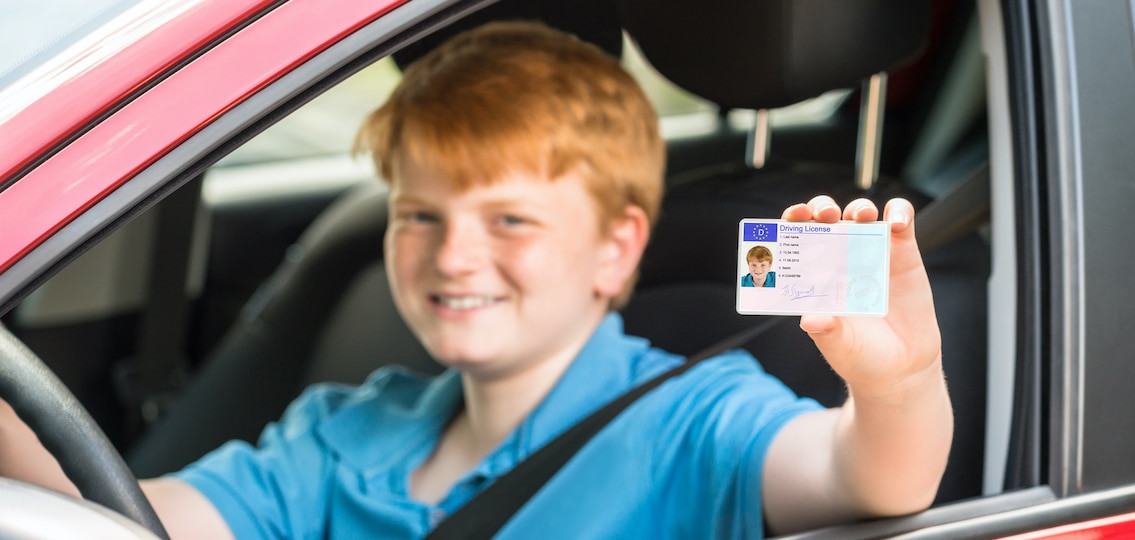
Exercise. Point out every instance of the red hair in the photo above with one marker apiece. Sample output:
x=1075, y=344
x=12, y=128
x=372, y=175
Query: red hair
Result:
x=758, y=253
x=519, y=97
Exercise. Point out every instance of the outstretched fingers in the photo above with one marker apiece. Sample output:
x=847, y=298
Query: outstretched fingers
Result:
x=905, y=255
x=797, y=212
x=900, y=213
x=861, y=210
x=824, y=209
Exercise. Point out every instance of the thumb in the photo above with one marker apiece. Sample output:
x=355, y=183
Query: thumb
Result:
x=830, y=335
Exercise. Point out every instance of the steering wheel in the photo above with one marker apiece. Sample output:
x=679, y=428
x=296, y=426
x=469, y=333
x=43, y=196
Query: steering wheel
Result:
x=69, y=433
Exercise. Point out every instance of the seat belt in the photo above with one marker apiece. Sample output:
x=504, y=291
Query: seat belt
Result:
x=958, y=212
x=148, y=381
x=489, y=510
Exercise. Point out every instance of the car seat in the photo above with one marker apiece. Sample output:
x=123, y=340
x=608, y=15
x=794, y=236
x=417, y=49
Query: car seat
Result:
x=326, y=315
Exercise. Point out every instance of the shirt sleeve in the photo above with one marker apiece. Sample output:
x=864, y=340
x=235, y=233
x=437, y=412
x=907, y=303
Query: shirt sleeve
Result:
x=737, y=410
x=272, y=490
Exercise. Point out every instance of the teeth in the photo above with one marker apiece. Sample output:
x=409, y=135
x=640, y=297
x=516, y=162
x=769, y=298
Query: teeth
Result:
x=464, y=302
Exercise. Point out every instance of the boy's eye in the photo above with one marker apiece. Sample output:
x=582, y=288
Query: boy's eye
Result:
x=420, y=217
x=511, y=220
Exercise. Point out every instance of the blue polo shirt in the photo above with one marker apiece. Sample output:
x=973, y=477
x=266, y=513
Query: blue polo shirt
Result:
x=683, y=462
x=770, y=280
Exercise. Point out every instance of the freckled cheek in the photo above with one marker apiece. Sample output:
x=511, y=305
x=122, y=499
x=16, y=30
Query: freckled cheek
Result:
x=406, y=258
x=519, y=264
x=400, y=279
x=531, y=264
x=563, y=262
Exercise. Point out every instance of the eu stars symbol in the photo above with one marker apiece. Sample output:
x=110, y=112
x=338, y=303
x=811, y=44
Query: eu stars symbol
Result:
x=760, y=232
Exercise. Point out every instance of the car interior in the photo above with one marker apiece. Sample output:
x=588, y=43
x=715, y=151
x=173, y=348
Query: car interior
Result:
x=224, y=310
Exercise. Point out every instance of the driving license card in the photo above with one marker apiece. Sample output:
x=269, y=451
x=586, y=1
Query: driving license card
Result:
x=793, y=268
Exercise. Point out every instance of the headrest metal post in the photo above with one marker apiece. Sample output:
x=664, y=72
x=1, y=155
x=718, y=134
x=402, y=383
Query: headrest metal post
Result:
x=758, y=148
x=870, y=140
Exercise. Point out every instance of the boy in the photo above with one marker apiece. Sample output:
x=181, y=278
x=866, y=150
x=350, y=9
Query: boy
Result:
x=759, y=259
x=525, y=171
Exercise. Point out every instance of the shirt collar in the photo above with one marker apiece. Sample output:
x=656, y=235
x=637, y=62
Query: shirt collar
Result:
x=607, y=366
x=391, y=417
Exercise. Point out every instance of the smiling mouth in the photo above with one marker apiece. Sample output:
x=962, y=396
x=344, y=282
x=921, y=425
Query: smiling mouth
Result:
x=462, y=303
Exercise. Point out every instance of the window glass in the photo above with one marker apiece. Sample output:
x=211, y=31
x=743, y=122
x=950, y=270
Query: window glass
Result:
x=668, y=99
x=32, y=32
x=326, y=125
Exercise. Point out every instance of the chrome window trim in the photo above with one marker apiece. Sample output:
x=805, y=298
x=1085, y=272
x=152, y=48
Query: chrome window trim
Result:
x=1065, y=176
x=1002, y=287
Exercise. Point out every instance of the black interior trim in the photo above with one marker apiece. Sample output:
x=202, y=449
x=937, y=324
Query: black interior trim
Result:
x=1028, y=433
x=920, y=525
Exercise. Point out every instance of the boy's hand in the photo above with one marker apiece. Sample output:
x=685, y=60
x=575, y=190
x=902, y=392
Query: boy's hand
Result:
x=880, y=358
x=883, y=452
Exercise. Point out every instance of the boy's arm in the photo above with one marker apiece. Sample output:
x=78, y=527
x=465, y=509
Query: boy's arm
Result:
x=884, y=451
x=23, y=458
x=184, y=512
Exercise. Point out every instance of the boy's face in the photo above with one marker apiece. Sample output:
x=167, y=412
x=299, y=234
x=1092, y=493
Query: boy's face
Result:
x=759, y=269
x=500, y=276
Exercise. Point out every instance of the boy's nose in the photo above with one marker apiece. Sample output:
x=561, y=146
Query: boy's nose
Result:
x=461, y=250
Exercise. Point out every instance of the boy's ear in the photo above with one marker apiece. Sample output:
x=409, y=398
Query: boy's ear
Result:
x=625, y=241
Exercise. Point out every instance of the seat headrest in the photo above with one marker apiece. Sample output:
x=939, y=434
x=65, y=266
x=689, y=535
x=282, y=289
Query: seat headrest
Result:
x=594, y=21
x=771, y=53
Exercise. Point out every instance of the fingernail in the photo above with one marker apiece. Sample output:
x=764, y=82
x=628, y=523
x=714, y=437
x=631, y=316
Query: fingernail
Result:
x=899, y=217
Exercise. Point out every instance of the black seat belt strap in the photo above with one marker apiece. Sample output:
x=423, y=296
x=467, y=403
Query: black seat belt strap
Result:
x=956, y=213
x=489, y=510
x=147, y=380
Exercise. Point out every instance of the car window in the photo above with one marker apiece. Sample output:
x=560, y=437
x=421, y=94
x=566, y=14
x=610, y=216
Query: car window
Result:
x=668, y=99
x=324, y=126
x=32, y=32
